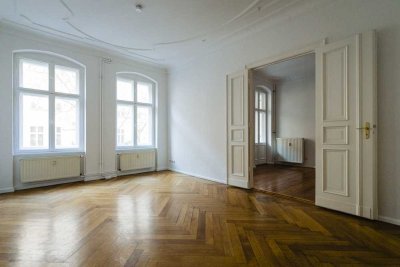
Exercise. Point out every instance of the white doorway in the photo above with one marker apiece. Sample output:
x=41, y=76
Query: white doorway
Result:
x=284, y=127
x=346, y=117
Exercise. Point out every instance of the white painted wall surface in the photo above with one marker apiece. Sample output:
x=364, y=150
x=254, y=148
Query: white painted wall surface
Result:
x=197, y=91
x=12, y=39
x=295, y=113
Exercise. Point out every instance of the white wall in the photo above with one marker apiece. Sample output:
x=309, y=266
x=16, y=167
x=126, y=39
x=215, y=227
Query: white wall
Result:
x=295, y=113
x=197, y=91
x=12, y=39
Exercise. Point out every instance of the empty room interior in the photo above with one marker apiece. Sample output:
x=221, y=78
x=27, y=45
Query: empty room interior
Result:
x=199, y=133
x=284, y=128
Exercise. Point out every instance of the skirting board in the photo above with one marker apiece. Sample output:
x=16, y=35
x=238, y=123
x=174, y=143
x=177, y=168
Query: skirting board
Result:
x=389, y=220
x=93, y=177
x=6, y=190
x=110, y=174
x=198, y=176
x=48, y=183
x=122, y=173
x=162, y=168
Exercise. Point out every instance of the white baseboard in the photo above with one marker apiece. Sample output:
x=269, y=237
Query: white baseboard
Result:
x=198, y=176
x=389, y=220
x=162, y=168
x=109, y=174
x=113, y=174
x=93, y=177
x=48, y=183
x=121, y=173
x=6, y=190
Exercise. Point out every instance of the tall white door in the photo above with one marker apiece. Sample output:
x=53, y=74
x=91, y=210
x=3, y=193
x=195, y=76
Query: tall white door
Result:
x=238, y=129
x=345, y=137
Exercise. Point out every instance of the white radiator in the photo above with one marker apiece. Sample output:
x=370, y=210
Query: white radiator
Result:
x=137, y=160
x=290, y=150
x=49, y=168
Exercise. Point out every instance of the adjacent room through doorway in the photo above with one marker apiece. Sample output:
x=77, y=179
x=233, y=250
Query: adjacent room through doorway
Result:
x=284, y=128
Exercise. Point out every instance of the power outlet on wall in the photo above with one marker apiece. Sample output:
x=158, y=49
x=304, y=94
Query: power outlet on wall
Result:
x=172, y=161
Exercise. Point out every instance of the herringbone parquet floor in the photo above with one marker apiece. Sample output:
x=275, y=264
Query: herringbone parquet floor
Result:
x=292, y=181
x=170, y=219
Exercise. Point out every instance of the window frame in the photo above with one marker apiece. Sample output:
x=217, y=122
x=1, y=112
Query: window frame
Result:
x=135, y=78
x=52, y=60
x=257, y=111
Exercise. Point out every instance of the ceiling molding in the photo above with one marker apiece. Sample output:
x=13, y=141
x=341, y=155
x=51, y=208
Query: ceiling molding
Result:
x=67, y=7
x=253, y=28
x=43, y=26
x=35, y=34
x=202, y=35
x=87, y=37
x=69, y=22
x=104, y=42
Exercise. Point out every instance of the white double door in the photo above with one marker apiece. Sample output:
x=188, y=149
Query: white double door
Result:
x=346, y=109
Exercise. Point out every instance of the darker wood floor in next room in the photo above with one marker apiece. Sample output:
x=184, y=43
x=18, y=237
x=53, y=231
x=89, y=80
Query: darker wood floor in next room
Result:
x=293, y=181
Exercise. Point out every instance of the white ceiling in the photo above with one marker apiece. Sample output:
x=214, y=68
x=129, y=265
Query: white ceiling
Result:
x=292, y=69
x=166, y=32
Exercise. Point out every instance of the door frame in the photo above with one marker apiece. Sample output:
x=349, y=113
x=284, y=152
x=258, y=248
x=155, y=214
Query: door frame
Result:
x=368, y=192
x=292, y=54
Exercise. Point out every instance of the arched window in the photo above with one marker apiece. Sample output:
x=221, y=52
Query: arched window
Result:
x=49, y=93
x=135, y=111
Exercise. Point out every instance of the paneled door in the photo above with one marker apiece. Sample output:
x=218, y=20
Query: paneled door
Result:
x=345, y=126
x=238, y=129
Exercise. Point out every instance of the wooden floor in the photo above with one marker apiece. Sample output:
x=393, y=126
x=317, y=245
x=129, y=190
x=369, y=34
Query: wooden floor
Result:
x=297, y=182
x=170, y=219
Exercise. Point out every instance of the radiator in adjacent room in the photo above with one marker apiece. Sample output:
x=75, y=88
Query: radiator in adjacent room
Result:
x=141, y=159
x=49, y=168
x=290, y=150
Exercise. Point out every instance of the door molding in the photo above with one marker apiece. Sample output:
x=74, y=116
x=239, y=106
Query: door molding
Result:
x=366, y=197
x=309, y=49
x=286, y=55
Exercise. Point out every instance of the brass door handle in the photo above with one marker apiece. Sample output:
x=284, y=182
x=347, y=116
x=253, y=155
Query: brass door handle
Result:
x=367, y=129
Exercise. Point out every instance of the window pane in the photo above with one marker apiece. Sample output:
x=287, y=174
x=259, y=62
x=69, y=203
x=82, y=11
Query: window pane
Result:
x=256, y=127
x=144, y=93
x=263, y=129
x=124, y=125
x=34, y=74
x=34, y=121
x=124, y=90
x=144, y=126
x=66, y=123
x=66, y=80
x=256, y=99
x=263, y=97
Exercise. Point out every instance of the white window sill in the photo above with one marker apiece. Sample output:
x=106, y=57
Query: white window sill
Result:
x=131, y=149
x=47, y=153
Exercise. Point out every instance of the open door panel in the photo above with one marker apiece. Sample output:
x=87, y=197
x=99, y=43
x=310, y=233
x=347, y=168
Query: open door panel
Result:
x=343, y=126
x=238, y=129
